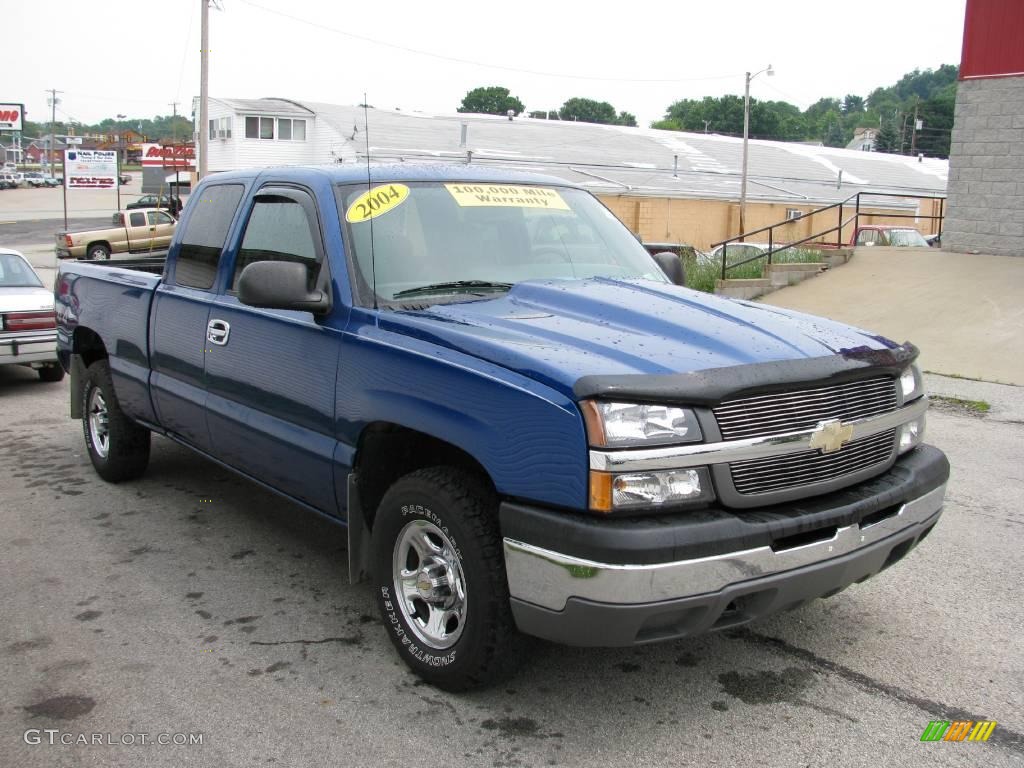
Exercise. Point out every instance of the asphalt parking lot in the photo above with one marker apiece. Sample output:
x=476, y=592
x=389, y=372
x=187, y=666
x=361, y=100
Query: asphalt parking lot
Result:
x=191, y=602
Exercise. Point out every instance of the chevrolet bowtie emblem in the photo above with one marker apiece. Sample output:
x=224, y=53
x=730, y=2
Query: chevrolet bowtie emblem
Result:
x=831, y=435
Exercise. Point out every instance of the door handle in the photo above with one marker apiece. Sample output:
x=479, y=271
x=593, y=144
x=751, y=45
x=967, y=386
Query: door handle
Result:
x=217, y=332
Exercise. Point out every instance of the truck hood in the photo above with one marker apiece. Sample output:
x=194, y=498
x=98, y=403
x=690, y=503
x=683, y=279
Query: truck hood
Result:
x=557, y=332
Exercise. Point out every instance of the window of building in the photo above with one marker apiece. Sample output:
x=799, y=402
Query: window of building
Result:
x=259, y=127
x=291, y=130
x=204, y=234
x=220, y=128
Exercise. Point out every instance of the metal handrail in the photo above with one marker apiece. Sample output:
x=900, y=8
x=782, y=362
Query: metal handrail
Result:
x=838, y=229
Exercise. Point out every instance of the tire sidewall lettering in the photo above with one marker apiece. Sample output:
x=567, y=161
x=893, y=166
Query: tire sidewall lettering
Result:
x=425, y=512
x=410, y=647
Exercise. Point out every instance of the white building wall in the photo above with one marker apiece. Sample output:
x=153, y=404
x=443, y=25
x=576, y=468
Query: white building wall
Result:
x=257, y=153
x=330, y=146
x=223, y=154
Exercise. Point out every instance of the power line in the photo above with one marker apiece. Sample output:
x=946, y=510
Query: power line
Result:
x=442, y=57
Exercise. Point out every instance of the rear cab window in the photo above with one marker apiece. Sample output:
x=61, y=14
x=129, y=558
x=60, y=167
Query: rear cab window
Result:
x=202, y=238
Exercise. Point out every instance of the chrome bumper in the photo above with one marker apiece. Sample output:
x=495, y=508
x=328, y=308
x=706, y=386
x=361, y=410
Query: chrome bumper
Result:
x=29, y=349
x=550, y=579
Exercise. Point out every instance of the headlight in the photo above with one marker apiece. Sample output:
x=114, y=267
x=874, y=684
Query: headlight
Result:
x=622, y=425
x=911, y=384
x=610, y=492
x=911, y=434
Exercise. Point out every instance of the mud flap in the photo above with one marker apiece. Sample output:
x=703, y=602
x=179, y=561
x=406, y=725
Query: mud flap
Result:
x=77, y=378
x=358, y=535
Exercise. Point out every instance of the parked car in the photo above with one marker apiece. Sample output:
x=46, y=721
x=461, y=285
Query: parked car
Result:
x=129, y=232
x=738, y=251
x=28, y=326
x=126, y=178
x=8, y=181
x=524, y=423
x=890, y=236
x=37, y=179
x=152, y=201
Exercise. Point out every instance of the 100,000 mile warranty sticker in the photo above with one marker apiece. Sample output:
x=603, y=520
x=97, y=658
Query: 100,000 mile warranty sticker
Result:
x=504, y=195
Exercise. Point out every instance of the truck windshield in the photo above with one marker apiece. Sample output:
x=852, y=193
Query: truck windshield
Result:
x=437, y=240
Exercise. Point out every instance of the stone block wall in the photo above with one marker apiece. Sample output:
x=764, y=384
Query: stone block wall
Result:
x=985, y=211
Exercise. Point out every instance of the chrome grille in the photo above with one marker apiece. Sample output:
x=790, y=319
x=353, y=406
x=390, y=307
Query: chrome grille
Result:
x=793, y=411
x=809, y=467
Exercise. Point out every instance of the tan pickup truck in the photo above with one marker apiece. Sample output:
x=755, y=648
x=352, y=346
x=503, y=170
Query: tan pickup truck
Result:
x=135, y=231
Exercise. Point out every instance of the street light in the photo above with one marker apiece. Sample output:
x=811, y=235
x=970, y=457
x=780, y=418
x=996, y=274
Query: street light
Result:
x=746, y=136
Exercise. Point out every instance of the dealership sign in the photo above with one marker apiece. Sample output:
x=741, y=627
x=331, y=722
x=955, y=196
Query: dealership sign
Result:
x=90, y=169
x=171, y=156
x=11, y=117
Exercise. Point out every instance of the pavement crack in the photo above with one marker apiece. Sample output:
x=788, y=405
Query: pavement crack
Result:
x=353, y=640
x=1004, y=737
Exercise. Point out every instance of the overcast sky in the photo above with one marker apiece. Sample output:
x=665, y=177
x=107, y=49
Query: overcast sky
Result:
x=136, y=57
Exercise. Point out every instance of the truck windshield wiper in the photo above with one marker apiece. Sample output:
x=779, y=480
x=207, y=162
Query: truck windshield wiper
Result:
x=453, y=285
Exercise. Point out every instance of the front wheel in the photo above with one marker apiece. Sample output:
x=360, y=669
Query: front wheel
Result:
x=118, y=447
x=440, y=579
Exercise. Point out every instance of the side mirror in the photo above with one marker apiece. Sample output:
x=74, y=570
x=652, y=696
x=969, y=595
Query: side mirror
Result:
x=280, y=285
x=672, y=266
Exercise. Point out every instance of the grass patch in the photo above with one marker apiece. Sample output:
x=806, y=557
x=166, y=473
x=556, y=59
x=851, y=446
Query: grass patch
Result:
x=701, y=275
x=960, y=405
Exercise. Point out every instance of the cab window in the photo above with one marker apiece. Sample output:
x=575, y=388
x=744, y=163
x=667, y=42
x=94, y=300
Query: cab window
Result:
x=279, y=229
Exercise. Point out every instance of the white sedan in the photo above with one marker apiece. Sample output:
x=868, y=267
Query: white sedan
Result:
x=28, y=327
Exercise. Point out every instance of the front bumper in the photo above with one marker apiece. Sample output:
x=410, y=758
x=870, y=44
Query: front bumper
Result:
x=663, y=578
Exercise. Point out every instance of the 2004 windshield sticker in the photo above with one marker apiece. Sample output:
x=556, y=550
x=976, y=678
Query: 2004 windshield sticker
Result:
x=502, y=195
x=376, y=202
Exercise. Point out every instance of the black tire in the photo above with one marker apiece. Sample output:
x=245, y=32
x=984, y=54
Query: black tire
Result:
x=51, y=373
x=462, y=507
x=98, y=252
x=126, y=453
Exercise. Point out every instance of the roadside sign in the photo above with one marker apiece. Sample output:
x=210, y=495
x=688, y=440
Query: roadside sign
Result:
x=72, y=140
x=11, y=116
x=90, y=169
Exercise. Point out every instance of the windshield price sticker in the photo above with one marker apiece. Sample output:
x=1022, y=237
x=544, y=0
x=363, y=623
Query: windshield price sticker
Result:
x=501, y=195
x=376, y=202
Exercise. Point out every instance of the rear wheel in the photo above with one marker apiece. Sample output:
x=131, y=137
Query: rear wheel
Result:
x=51, y=373
x=118, y=447
x=98, y=252
x=440, y=579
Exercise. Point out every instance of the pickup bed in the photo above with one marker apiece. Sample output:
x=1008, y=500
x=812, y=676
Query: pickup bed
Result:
x=136, y=231
x=525, y=424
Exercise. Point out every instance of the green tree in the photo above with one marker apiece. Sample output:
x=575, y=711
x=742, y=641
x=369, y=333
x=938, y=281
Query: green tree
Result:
x=853, y=104
x=491, y=100
x=588, y=111
x=625, y=118
x=888, y=137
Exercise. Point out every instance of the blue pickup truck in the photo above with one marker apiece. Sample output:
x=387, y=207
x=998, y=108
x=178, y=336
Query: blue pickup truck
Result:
x=525, y=421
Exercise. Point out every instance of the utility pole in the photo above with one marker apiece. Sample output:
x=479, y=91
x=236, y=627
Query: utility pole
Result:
x=174, y=143
x=913, y=133
x=746, y=136
x=706, y=124
x=53, y=122
x=204, y=87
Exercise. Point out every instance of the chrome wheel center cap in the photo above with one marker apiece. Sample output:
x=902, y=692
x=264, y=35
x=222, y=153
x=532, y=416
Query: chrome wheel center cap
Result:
x=432, y=581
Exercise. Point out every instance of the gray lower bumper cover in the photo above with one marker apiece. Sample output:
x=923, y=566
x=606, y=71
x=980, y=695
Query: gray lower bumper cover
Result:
x=581, y=602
